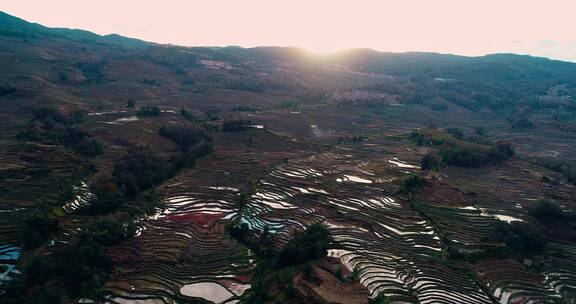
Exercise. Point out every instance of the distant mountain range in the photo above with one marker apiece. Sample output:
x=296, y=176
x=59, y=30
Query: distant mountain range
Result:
x=505, y=74
x=14, y=26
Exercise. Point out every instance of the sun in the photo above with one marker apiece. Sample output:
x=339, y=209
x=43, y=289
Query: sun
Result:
x=325, y=49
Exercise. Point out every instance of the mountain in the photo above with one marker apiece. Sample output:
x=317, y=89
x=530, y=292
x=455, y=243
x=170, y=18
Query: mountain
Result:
x=515, y=75
x=134, y=171
x=16, y=27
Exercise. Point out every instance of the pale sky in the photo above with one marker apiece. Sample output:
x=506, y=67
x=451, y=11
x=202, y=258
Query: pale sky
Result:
x=467, y=27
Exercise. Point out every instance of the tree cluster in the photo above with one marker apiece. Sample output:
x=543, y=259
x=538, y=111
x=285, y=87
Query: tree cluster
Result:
x=430, y=161
x=49, y=126
x=566, y=168
x=412, y=182
x=110, y=231
x=148, y=111
x=78, y=271
x=236, y=125
x=193, y=142
x=520, y=238
x=188, y=115
x=38, y=226
x=454, y=148
x=276, y=270
x=309, y=245
x=139, y=170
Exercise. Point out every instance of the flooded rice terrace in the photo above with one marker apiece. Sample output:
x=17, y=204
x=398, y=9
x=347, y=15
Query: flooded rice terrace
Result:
x=184, y=253
x=392, y=245
x=188, y=171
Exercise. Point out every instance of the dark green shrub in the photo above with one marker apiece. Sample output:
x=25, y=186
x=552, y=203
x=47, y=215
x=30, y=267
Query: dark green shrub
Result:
x=480, y=131
x=380, y=299
x=520, y=238
x=139, y=170
x=455, y=132
x=109, y=231
x=412, y=182
x=107, y=197
x=430, y=161
x=308, y=245
x=195, y=142
x=188, y=116
x=547, y=212
x=148, y=111
x=567, y=169
x=38, y=226
x=236, y=125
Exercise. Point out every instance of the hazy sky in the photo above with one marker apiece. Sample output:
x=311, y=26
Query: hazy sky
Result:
x=469, y=27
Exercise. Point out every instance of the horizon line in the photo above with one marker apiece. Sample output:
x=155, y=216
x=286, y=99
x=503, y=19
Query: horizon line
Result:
x=304, y=48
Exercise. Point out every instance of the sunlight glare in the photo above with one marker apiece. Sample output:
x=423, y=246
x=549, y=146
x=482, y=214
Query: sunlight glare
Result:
x=325, y=49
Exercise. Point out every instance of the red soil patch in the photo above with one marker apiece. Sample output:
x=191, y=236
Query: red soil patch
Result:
x=244, y=277
x=443, y=194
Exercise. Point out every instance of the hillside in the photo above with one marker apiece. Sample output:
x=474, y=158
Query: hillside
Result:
x=134, y=171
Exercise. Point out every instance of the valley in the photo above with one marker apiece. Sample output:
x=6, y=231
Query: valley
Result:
x=133, y=172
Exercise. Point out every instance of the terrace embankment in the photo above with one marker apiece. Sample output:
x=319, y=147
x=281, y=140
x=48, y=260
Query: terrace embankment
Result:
x=185, y=243
x=319, y=142
x=392, y=244
x=378, y=235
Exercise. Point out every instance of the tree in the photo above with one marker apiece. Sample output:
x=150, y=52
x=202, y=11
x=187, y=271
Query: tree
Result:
x=107, y=196
x=520, y=238
x=236, y=125
x=430, y=161
x=505, y=148
x=148, y=111
x=411, y=182
x=455, y=132
x=309, y=245
x=480, y=131
x=380, y=299
x=140, y=170
x=110, y=231
x=38, y=226
x=187, y=115
x=193, y=142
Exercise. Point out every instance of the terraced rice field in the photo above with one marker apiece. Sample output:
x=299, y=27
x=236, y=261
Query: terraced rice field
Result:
x=560, y=271
x=9, y=256
x=392, y=247
x=316, y=150
x=511, y=283
x=183, y=252
x=393, y=244
x=379, y=236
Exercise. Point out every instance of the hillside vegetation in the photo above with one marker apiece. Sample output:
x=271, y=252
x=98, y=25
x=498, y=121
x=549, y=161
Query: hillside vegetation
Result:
x=137, y=172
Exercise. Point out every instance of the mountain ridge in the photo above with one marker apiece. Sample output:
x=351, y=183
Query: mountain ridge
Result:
x=14, y=26
x=138, y=171
x=113, y=38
